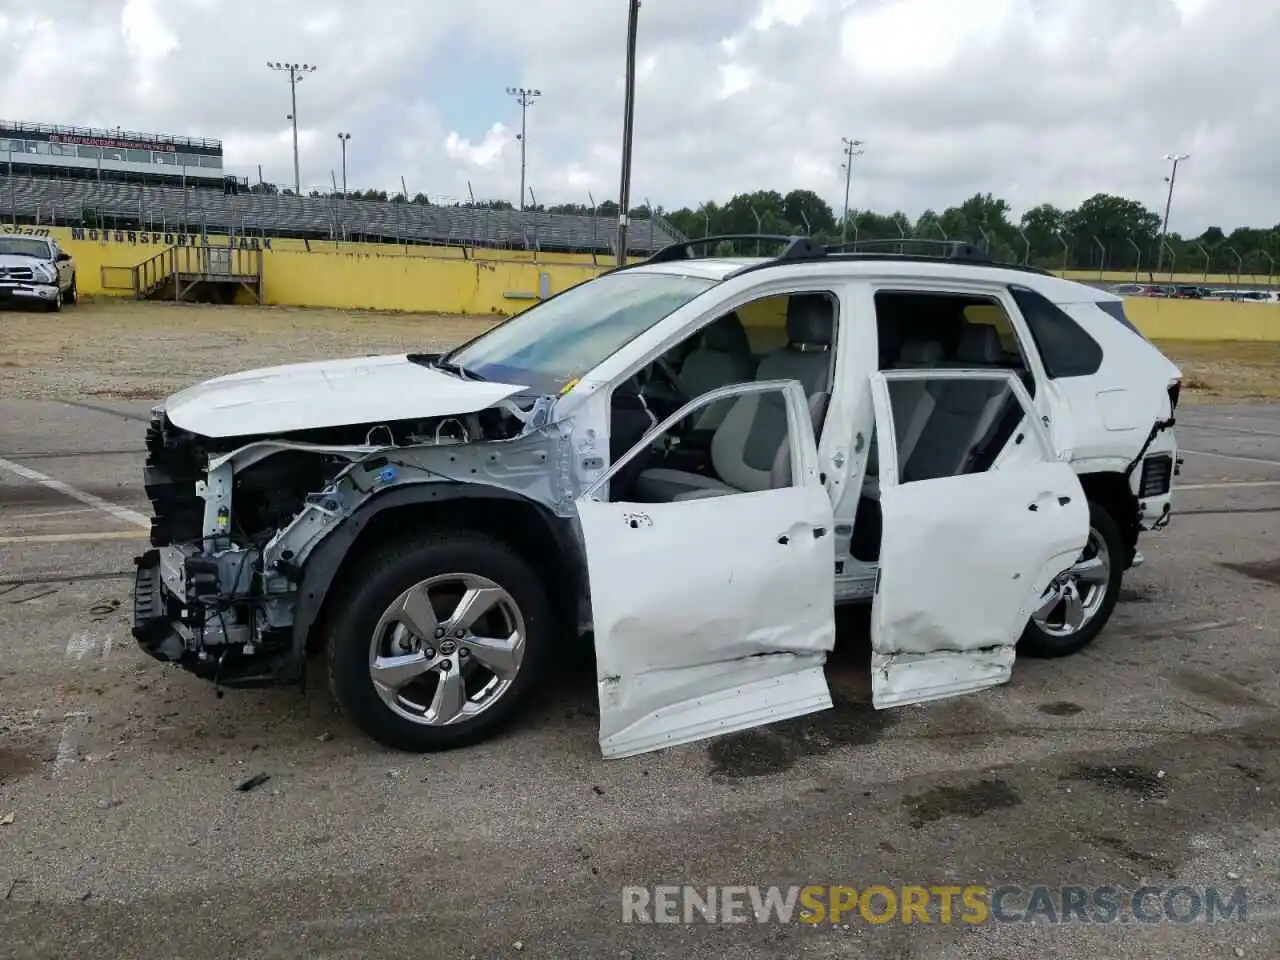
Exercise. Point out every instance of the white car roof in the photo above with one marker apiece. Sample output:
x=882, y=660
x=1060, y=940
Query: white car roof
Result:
x=1054, y=288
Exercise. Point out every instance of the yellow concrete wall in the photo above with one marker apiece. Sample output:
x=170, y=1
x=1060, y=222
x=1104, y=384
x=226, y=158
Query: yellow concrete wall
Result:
x=367, y=282
x=440, y=280
x=1199, y=279
x=1167, y=319
x=346, y=275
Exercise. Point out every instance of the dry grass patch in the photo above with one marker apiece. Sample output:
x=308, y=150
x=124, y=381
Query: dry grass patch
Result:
x=1228, y=371
x=127, y=350
x=130, y=350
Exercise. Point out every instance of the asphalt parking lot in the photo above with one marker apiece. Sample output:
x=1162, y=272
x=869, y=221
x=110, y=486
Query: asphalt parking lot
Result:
x=1149, y=759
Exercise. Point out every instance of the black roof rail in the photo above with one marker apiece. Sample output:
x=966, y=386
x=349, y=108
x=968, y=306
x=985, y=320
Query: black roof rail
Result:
x=796, y=247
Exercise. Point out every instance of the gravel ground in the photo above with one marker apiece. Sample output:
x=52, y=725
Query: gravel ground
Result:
x=1149, y=759
x=125, y=349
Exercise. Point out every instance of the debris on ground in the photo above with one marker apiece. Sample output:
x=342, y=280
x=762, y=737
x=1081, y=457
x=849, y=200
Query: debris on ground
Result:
x=257, y=780
x=6, y=819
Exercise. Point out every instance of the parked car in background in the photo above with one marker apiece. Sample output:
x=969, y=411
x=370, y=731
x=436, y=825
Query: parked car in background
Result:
x=36, y=270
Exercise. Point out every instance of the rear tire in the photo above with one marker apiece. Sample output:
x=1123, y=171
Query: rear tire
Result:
x=371, y=624
x=1052, y=637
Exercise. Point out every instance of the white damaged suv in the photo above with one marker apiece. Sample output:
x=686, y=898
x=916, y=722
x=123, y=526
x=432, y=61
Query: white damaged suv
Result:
x=693, y=460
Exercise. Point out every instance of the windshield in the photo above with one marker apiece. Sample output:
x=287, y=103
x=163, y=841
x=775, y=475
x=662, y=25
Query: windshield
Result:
x=570, y=334
x=19, y=246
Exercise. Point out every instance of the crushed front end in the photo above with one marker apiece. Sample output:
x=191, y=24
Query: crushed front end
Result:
x=237, y=518
x=202, y=596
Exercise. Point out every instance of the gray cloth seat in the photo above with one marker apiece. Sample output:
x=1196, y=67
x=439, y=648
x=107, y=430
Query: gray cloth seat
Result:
x=958, y=412
x=722, y=356
x=750, y=448
x=912, y=405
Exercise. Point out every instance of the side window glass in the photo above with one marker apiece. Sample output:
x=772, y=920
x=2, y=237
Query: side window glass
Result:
x=1066, y=349
x=750, y=452
x=949, y=427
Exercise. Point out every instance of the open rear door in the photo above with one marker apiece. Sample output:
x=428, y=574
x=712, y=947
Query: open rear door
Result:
x=967, y=550
x=713, y=612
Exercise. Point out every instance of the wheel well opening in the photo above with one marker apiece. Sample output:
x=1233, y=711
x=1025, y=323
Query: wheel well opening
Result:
x=523, y=526
x=1112, y=492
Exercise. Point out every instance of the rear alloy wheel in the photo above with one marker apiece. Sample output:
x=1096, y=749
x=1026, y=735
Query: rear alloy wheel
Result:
x=439, y=646
x=1078, y=603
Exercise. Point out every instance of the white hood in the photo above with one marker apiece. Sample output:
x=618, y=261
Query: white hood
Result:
x=328, y=393
x=21, y=260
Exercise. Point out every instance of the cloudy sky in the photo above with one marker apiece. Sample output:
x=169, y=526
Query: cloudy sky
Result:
x=1033, y=100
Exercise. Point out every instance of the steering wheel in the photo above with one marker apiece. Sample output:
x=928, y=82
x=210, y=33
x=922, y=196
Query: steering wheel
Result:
x=669, y=396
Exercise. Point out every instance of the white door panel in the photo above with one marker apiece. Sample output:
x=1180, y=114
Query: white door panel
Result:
x=714, y=614
x=964, y=558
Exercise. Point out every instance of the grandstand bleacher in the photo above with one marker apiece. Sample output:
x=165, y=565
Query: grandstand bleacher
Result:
x=194, y=209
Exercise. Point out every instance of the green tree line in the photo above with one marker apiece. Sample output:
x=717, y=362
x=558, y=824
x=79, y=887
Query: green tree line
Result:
x=1104, y=233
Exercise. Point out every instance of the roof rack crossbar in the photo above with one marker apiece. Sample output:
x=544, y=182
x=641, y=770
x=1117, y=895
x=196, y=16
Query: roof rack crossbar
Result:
x=682, y=250
x=936, y=249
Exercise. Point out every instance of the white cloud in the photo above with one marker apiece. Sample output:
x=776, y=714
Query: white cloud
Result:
x=1034, y=100
x=486, y=153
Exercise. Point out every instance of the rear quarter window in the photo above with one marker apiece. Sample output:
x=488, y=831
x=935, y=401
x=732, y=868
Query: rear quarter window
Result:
x=1115, y=310
x=1065, y=348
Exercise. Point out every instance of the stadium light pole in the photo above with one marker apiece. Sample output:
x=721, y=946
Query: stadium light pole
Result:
x=297, y=73
x=852, y=148
x=628, y=121
x=343, y=138
x=525, y=97
x=1169, y=202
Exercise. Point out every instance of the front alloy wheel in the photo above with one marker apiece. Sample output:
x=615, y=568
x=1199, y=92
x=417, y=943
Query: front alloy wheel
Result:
x=438, y=639
x=1078, y=602
x=447, y=649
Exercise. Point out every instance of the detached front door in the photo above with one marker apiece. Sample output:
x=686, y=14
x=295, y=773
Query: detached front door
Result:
x=713, y=612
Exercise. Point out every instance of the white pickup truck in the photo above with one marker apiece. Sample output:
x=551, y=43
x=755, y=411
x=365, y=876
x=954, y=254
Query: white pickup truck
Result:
x=36, y=270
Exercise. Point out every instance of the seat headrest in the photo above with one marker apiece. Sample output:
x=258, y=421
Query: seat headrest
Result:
x=726, y=335
x=926, y=353
x=811, y=319
x=979, y=343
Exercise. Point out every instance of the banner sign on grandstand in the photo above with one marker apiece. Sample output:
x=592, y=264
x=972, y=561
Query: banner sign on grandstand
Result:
x=158, y=147
x=160, y=239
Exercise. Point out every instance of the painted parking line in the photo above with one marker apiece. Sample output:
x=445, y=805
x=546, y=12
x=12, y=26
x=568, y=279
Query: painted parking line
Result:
x=1225, y=485
x=1227, y=456
x=111, y=509
x=85, y=537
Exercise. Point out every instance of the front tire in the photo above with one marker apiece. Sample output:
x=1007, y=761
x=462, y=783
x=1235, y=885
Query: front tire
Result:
x=55, y=305
x=72, y=293
x=1078, y=604
x=442, y=642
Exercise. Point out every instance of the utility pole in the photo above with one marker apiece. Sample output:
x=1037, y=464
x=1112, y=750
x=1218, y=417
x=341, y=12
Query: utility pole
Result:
x=343, y=138
x=1164, y=229
x=297, y=73
x=628, y=120
x=852, y=148
x=525, y=97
